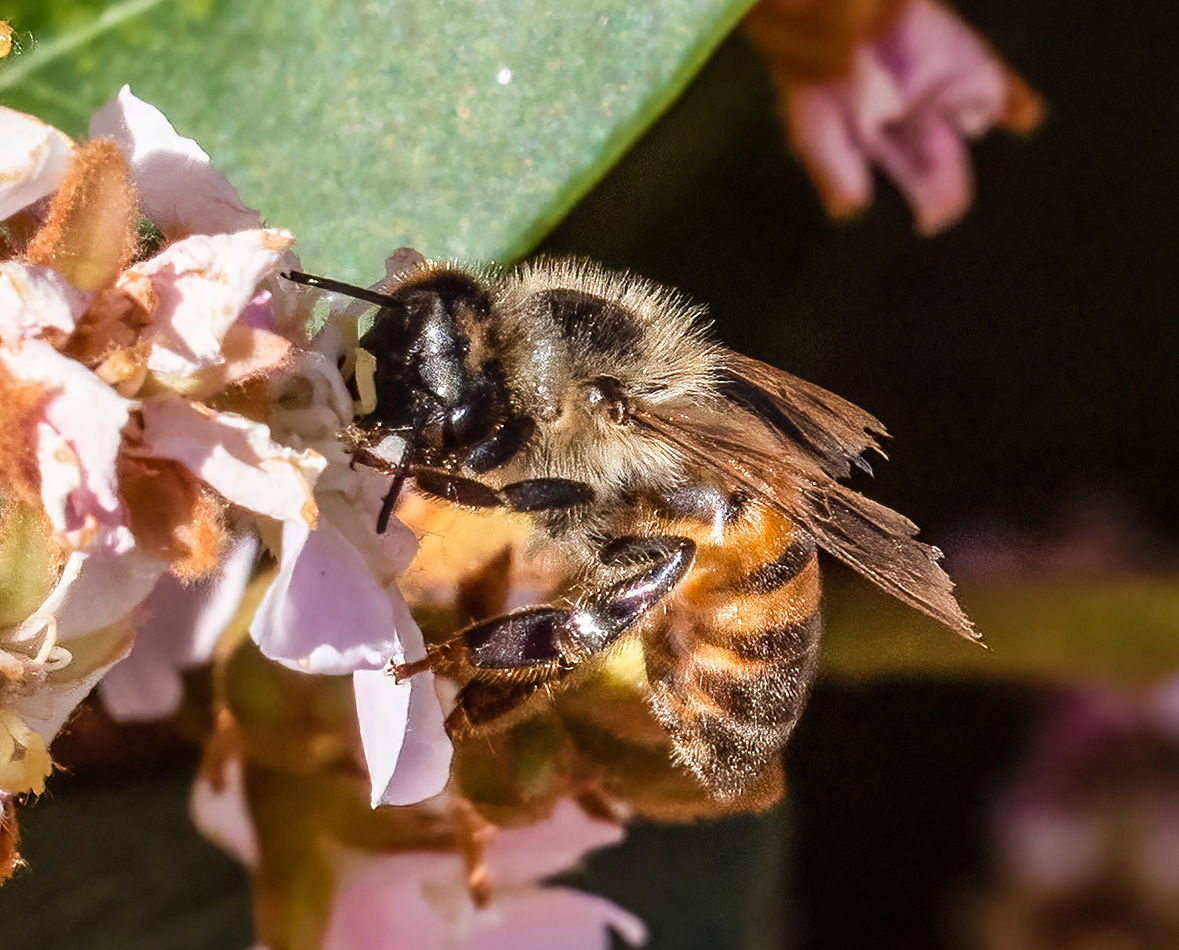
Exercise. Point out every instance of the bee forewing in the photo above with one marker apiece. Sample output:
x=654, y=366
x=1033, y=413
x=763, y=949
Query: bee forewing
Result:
x=874, y=540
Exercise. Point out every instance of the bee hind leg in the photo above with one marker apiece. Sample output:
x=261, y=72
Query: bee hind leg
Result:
x=503, y=661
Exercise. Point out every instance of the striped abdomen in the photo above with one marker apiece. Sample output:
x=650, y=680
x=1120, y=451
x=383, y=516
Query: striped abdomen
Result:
x=732, y=660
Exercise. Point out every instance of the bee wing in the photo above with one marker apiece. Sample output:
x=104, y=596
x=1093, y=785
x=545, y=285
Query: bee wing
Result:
x=833, y=431
x=876, y=541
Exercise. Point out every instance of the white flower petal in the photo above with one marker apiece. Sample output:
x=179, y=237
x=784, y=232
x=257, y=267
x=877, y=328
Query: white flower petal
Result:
x=324, y=612
x=405, y=742
x=34, y=158
x=92, y=595
x=49, y=709
x=233, y=455
x=182, y=625
x=179, y=190
x=205, y=283
x=78, y=435
x=35, y=299
x=95, y=592
x=351, y=498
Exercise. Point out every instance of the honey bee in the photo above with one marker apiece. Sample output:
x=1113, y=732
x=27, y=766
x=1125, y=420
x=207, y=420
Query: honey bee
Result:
x=682, y=490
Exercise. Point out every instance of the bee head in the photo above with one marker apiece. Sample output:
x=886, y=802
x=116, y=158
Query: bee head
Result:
x=431, y=381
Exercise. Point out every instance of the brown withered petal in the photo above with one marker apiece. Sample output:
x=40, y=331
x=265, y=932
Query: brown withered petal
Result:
x=1025, y=107
x=113, y=322
x=9, y=838
x=813, y=40
x=19, y=405
x=90, y=234
x=172, y=515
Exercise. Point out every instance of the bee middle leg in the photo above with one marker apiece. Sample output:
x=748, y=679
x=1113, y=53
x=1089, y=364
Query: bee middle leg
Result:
x=503, y=661
x=534, y=494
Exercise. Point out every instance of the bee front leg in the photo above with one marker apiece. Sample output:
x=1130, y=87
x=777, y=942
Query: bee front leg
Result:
x=501, y=662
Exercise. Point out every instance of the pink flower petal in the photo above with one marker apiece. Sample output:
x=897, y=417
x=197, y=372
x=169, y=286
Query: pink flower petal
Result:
x=550, y=846
x=34, y=158
x=419, y=899
x=221, y=813
x=935, y=56
x=78, y=433
x=823, y=136
x=931, y=166
x=204, y=284
x=873, y=95
x=379, y=904
x=233, y=455
x=179, y=190
x=324, y=612
x=405, y=743
x=182, y=625
x=35, y=299
x=546, y=917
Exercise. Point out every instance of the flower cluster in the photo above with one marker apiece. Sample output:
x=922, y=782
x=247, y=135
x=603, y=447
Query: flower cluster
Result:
x=169, y=431
x=174, y=495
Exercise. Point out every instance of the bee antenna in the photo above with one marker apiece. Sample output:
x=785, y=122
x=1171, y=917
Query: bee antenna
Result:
x=339, y=287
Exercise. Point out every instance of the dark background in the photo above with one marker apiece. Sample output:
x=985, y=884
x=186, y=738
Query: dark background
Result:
x=1023, y=360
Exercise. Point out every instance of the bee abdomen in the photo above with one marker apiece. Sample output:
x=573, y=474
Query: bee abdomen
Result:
x=775, y=574
x=733, y=663
x=754, y=692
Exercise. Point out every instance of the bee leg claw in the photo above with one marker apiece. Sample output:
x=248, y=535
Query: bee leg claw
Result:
x=403, y=671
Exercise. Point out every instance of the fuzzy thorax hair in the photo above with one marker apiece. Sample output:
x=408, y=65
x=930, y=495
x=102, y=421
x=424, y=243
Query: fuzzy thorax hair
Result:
x=573, y=340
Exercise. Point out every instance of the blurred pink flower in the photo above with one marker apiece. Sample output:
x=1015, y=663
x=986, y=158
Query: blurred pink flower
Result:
x=1096, y=801
x=420, y=899
x=221, y=813
x=914, y=93
x=181, y=625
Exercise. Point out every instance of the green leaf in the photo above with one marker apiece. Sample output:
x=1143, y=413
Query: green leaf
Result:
x=465, y=129
x=1108, y=630
x=117, y=864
